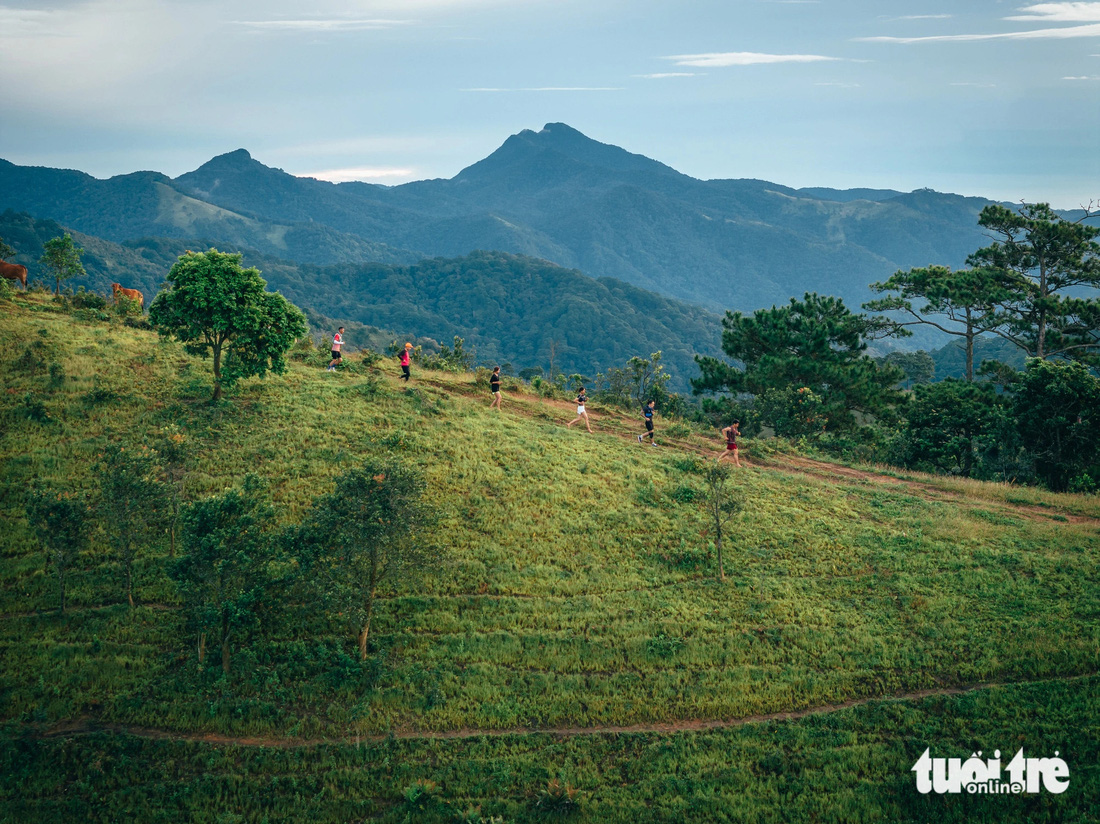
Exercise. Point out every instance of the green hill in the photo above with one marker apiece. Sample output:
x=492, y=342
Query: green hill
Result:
x=507, y=308
x=575, y=653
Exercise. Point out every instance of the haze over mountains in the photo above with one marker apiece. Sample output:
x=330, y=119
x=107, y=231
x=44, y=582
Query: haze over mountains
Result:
x=553, y=194
x=554, y=197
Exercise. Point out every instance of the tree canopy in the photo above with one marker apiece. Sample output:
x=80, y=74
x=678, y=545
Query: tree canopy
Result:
x=960, y=303
x=368, y=531
x=816, y=343
x=222, y=310
x=62, y=257
x=1040, y=260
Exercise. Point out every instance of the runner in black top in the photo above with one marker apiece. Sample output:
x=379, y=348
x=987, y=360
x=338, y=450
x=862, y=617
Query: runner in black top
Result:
x=494, y=385
x=647, y=413
x=582, y=399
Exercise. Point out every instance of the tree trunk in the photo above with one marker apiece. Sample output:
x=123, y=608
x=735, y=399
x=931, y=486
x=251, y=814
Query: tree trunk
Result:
x=225, y=643
x=61, y=583
x=718, y=549
x=217, y=353
x=365, y=632
x=130, y=584
x=202, y=648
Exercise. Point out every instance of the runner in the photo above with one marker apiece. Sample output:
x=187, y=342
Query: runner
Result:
x=405, y=362
x=582, y=399
x=337, y=342
x=647, y=413
x=494, y=385
x=732, y=433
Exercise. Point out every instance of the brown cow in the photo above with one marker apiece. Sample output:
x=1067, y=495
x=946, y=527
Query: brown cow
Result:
x=14, y=271
x=132, y=294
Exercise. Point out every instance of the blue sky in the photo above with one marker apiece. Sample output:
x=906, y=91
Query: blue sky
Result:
x=979, y=97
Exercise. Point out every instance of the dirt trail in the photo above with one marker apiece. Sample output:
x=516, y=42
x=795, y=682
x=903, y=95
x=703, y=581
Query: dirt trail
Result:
x=613, y=423
x=924, y=489
x=87, y=727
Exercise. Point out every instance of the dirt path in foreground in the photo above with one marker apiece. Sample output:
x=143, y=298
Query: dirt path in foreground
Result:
x=88, y=727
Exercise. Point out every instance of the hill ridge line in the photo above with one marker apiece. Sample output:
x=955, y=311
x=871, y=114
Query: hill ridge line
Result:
x=86, y=727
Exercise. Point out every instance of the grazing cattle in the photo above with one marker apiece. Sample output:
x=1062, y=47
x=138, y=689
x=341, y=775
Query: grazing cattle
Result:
x=132, y=294
x=14, y=271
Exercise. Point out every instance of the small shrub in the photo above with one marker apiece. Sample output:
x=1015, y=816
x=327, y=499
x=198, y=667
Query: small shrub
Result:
x=369, y=389
x=370, y=359
x=87, y=300
x=7, y=291
x=33, y=409
x=679, y=429
x=29, y=362
x=421, y=795
x=1083, y=483
x=684, y=494
x=99, y=395
x=57, y=376
x=663, y=646
x=138, y=322
x=91, y=315
x=126, y=307
x=558, y=800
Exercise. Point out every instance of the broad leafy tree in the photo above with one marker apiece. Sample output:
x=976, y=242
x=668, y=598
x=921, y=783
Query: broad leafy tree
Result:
x=1042, y=260
x=1057, y=411
x=637, y=383
x=955, y=427
x=226, y=568
x=61, y=524
x=5, y=250
x=961, y=304
x=817, y=343
x=790, y=412
x=133, y=504
x=370, y=531
x=62, y=257
x=222, y=310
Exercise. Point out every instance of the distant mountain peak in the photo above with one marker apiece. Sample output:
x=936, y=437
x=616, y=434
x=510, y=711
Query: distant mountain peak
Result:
x=573, y=148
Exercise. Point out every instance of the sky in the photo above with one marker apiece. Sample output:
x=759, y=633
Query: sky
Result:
x=994, y=98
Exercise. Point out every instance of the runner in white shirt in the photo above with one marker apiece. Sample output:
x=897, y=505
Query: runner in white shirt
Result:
x=337, y=342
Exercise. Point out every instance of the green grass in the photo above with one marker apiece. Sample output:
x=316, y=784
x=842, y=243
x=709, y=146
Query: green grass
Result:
x=579, y=591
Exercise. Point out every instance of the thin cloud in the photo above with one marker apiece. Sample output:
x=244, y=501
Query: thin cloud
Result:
x=365, y=175
x=660, y=75
x=315, y=26
x=1083, y=77
x=551, y=89
x=1092, y=30
x=1060, y=13
x=714, y=60
x=926, y=17
x=16, y=23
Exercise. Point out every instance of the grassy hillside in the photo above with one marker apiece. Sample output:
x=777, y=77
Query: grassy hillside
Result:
x=576, y=633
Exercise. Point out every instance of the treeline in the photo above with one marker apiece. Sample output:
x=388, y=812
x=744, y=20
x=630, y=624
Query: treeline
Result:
x=803, y=369
x=507, y=308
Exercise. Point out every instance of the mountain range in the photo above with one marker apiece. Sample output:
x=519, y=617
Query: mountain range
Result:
x=554, y=194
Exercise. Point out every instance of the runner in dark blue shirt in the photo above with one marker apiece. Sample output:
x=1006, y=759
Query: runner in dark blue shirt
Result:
x=647, y=413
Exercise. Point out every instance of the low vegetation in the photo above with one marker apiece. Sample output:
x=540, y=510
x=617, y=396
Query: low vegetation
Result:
x=576, y=589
